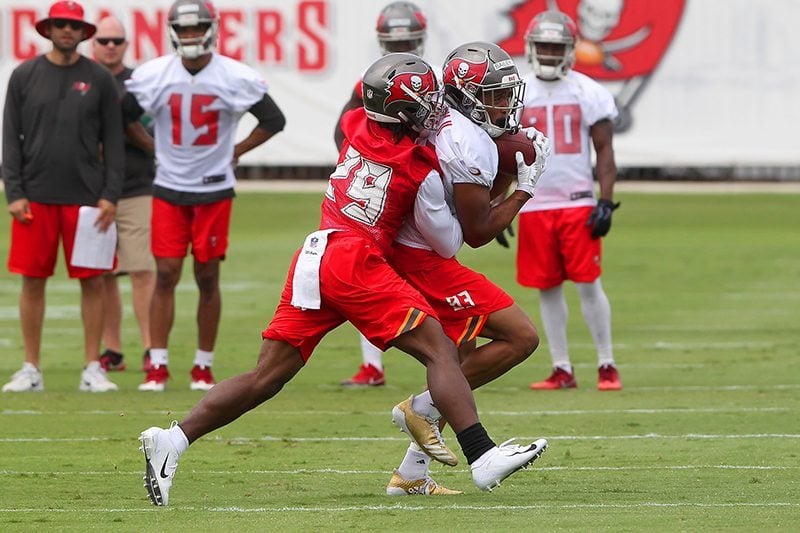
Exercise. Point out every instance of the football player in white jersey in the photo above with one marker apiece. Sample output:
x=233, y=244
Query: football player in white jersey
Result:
x=483, y=91
x=196, y=98
x=560, y=229
x=401, y=27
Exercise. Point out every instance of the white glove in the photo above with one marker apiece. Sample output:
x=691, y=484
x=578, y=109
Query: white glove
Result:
x=528, y=175
x=541, y=144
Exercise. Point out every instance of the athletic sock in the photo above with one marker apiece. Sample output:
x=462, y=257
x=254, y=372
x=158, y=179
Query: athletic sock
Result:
x=178, y=438
x=203, y=358
x=474, y=442
x=371, y=354
x=554, y=314
x=415, y=464
x=159, y=356
x=423, y=404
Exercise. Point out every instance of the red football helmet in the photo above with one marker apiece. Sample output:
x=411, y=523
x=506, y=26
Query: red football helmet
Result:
x=482, y=82
x=550, y=44
x=402, y=88
x=401, y=27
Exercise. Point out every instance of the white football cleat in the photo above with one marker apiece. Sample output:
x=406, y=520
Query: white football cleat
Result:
x=161, y=462
x=29, y=378
x=94, y=379
x=502, y=461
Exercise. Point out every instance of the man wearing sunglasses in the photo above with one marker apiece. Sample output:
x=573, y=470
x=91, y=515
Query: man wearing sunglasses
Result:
x=62, y=149
x=134, y=208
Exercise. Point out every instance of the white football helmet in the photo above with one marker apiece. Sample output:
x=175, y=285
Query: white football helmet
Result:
x=552, y=28
x=185, y=13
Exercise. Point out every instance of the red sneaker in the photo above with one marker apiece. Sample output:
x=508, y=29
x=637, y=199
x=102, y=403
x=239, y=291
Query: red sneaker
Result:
x=156, y=379
x=608, y=378
x=559, y=379
x=367, y=376
x=112, y=361
x=202, y=379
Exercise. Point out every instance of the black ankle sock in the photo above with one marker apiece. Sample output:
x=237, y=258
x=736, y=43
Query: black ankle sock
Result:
x=115, y=355
x=474, y=442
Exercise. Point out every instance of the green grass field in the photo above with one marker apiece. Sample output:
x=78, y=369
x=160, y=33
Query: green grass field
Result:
x=705, y=294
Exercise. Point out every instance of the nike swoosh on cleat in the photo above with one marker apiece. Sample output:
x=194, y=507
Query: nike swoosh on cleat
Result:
x=163, y=474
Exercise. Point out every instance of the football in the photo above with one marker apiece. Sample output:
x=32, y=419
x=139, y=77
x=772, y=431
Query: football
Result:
x=509, y=144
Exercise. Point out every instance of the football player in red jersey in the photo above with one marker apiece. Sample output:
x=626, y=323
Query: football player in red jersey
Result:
x=386, y=173
x=560, y=229
x=401, y=27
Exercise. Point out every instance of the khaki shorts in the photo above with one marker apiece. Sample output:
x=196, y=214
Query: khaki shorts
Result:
x=133, y=235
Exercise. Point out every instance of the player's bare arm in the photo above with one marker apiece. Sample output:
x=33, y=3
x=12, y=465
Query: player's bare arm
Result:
x=602, y=133
x=481, y=222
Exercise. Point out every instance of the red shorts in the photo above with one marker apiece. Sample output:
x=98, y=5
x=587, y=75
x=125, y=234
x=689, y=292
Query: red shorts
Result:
x=204, y=226
x=556, y=245
x=34, y=246
x=462, y=298
x=356, y=284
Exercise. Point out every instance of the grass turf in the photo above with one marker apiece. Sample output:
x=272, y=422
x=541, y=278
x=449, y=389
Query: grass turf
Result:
x=704, y=436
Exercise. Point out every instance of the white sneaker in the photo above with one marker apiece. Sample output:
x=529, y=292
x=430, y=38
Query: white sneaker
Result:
x=94, y=379
x=161, y=462
x=502, y=461
x=29, y=378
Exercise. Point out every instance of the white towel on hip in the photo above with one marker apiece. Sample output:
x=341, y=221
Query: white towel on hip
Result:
x=305, y=279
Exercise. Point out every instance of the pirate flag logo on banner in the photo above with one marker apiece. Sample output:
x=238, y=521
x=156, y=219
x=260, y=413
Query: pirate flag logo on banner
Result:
x=621, y=42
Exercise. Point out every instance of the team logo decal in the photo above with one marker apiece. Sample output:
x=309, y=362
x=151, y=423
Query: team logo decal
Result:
x=415, y=82
x=82, y=87
x=464, y=71
x=621, y=42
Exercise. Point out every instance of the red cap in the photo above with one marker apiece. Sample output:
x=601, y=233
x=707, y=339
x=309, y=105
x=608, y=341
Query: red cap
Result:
x=68, y=10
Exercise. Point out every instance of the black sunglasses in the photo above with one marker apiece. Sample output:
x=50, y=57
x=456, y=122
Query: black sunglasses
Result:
x=74, y=24
x=118, y=41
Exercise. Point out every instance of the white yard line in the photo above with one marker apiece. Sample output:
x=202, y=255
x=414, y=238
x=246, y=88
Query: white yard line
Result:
x=271, y=438
x=436, y=503
x=334, y=471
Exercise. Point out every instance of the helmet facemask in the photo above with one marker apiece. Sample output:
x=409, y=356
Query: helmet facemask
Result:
x=547, y=63
x=193, y=14
x=401, y=27
x=494, y=107
x=550, y=45
x=408, y=45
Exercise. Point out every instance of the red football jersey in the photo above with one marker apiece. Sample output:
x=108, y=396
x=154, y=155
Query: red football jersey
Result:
x=374, y=187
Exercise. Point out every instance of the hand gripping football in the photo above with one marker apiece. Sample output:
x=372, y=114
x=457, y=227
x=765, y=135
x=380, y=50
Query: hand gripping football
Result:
x=508, y=144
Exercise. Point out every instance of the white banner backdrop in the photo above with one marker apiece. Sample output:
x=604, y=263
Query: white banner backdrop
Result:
x=725, y=92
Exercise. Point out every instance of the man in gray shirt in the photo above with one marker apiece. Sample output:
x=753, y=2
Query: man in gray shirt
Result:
x=62, y=149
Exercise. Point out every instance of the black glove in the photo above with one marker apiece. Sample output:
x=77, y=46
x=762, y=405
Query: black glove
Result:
x=600, y=219
x=501, y=238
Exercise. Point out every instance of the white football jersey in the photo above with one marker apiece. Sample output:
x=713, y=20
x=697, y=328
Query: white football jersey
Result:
x=195, y=118
x=564, y=110
x=466, y=155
